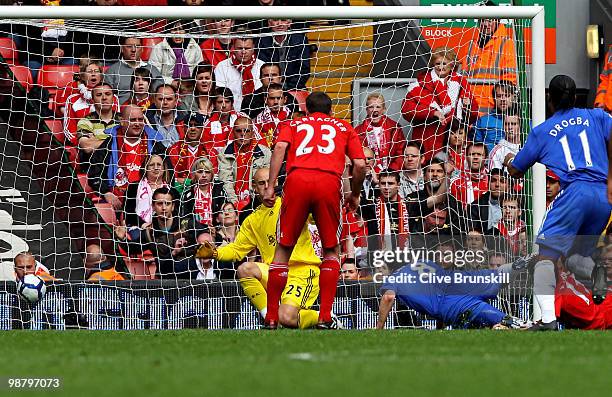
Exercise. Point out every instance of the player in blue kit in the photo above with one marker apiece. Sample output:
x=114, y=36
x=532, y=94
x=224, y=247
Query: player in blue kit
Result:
x=573, y=143
x=457, y=298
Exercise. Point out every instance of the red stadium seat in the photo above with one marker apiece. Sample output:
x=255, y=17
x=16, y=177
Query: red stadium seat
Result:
x=8, y=50
x=56, y=126
x=147, y=46
x=107, y=212
x=23, y=75
x=143, y=267
x=54, y=77
x=300, y=96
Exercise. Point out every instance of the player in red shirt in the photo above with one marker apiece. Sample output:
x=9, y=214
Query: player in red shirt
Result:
x=315, y=146
x=574, y=304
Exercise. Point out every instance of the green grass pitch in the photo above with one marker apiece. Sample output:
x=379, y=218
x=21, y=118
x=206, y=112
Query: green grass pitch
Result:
x=291, y=363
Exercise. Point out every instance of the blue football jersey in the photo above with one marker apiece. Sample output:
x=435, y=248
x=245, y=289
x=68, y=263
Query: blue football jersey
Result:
x=441, y=296
x=573, y=143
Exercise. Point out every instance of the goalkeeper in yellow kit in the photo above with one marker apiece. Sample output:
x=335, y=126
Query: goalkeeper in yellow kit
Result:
x=258, y=230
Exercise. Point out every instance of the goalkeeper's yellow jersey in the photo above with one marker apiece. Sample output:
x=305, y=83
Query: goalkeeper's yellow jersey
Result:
x=258, y=230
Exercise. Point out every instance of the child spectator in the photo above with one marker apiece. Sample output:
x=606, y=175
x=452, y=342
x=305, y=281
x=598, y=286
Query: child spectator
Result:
x=204, y=197
x=454, y=155
x=382, y=134
x=141, y=89
x=290, y=50
x=436, y=98
x=202, y=99
x=176, y=57
x=511, y=227
x=490, y=127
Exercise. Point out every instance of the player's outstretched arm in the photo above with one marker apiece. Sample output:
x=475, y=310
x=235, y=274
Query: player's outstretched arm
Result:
x=386, y=303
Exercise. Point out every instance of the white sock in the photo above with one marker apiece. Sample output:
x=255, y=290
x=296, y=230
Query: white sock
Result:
x=544, y=289
x=263, y=312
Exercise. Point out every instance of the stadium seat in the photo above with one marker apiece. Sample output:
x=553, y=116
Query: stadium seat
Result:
x=107, y=212
x=8, y=50
x=54, y=77
x=147, y=46
x=23, y=75
x=142, y=267
x=56, y=126
x=300, y=96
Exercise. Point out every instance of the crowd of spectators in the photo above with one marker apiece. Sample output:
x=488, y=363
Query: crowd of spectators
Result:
x=172, y=142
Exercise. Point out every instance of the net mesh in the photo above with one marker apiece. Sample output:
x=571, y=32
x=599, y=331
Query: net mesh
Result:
x=76, y=189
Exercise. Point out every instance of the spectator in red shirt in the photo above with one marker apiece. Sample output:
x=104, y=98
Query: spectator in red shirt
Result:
x=80, y=104
x=472, y=182
x=202, y=99
x=184, y=152
x=454, y=153
x=437, y=97
x=382, y=134
x=511, y=227
x=274, y=113
x=219, y=127
x=215, y=50
x=239, y=160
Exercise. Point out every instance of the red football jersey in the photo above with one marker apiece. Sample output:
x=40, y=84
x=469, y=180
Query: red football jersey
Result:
x=575, y=307
x=320, y=142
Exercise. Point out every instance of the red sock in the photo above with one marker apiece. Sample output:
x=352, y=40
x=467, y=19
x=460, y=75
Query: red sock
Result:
x=277, y=279
x=328, y=282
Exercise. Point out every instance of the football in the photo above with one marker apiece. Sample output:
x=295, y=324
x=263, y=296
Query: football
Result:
x=32, y=288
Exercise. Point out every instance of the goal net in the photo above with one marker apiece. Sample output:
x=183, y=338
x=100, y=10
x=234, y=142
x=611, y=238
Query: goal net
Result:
x=127, y=142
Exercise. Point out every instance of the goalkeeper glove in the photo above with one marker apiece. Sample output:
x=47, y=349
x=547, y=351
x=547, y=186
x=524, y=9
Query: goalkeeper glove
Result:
x=524, y=262
x=206, y=251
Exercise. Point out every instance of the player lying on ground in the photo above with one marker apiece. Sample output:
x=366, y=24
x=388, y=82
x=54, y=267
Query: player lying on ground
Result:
x=258, y=230
x=433, y=290
x=573, y=144
x=574, y=304
x=316, y=146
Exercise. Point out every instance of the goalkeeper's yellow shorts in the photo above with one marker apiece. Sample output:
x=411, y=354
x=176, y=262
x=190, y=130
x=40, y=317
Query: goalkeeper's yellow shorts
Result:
x=302, y=286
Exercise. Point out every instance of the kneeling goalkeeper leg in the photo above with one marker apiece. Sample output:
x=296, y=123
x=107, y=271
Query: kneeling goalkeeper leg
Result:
x=253, y=283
